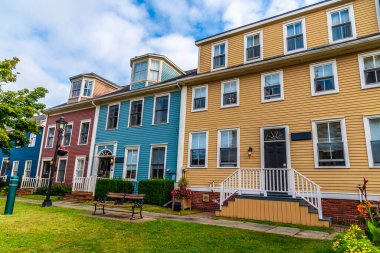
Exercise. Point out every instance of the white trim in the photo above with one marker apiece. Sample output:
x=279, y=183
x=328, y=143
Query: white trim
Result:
x=285, y=35
x=150, y=158
x=237, y=93
x=130, y=108
x=344, y=139
x=79, y=157
x=35, y=140
x=118, y=116
x=2, y=161
x=281, y=78
x=312, y=76
x=42, y=144
x=126, y=158
x=80, y=90
x=260, y=33
x=193, y=96
x=47, y=136
x=92, y=145
x=367, y=130
x=189, y=150
x=80, y=131
x=13, y=167
x=199, y=59
x=57, y=171
x=361, y=69
x=351, y=14
x=71, y=134
x=218, y=148
x=181, y=133
x=159, y=71
x=154, y=108
x=377, y=3
x=225, y=42
x=31, y=164
x=287, y=140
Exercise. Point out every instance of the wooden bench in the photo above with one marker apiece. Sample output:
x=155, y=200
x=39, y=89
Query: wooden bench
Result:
x=121, y=200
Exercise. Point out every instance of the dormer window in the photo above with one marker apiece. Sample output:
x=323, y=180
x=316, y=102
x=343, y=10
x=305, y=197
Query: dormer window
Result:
x=75, y=90
x=87, y=90
x=139, y=71
x=219, y=55
x=154, y=70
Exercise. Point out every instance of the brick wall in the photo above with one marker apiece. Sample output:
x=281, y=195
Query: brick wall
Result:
x=198, y=203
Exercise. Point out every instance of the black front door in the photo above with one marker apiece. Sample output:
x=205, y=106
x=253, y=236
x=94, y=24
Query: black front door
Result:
x=45, y=169
x=104, y=169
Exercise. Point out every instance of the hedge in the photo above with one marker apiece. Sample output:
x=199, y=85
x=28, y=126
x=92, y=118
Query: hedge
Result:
x=104, y=185
x=157, y=191
x=56, y=190
x=3, y=185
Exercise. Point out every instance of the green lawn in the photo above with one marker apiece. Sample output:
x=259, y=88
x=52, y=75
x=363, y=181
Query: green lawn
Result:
x=36, y=229
x=40, y=197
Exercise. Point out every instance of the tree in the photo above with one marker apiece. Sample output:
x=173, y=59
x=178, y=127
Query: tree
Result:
x=17, y=109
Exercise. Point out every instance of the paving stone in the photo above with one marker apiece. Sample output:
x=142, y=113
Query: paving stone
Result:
x=313, y=234
x=284, y=231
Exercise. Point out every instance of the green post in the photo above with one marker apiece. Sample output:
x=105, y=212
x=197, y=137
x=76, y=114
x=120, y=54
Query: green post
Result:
x=11, y=195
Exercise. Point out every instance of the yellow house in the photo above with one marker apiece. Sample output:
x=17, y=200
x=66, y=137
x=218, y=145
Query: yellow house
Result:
x=282, y=121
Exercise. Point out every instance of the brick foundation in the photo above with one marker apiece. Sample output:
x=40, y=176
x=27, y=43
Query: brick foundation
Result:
x=198, y=203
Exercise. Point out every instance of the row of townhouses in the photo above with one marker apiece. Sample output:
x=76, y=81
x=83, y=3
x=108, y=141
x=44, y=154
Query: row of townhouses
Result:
x=286, y=106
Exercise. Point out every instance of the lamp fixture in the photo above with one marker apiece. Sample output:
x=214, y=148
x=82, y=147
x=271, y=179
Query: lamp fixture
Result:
x=112, y=161
x=250, y=150
x=61, y=123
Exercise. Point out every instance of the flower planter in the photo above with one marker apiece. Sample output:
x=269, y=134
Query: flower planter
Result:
x=185, y=203
x=62, y=152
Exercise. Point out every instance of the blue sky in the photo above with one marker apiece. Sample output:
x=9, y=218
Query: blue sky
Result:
x=59, y=39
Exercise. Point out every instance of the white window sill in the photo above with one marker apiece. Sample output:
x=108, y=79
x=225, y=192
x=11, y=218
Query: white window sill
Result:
x=137, y=126
x=229, y=106
x=272, y=100
x=228, y=167
x=342, y=40
x=295, y=51
x=160, y=124
x=199, y=110
x=322, y=93
x=192, y=167
x=370, y=86
x=220, y=68
x=332, y=167
x=253, y=60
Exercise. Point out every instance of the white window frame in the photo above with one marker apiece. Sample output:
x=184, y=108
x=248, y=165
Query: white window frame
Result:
x=189, y=150
x=159, y=70
x=237, y=93
x=92, y=88
x=344, y=139
x=312, y=76
x=13, y=167
x=44, y=159
x=378, y=12
x=350, y=8
x=81, y=157
x=81, y=88
x=193, y=97
x=150, y=158
x=281, y=77
x=218, y=148
x=118, y=117
x=64, y=175
x=71, y=136
x=6, y=166
x=80, y=131
x=130, y=109
x=133, y=71
x=126, y=159
x=260, y=33
x=32, y=144
x=285, y=35
x=361, y=69
x=226, y=54
x=154, y=108
x=25, y=166
x=47, y=136
x=367, y=130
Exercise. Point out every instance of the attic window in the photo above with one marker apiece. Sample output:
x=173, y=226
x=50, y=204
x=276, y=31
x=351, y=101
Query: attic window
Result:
x=75, y=89
x=154, y=70
x=140, y=71
x=87, y=90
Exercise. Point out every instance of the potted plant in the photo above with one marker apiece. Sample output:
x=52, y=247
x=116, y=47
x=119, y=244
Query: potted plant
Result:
x=62, y=151
x=182, y=195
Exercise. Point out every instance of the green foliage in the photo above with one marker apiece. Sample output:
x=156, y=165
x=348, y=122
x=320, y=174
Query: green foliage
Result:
x=157, y=191
x=183, y=183
x=353, y=241
x=3, y=185
x=374, y=232
x=105, y=185
x=17, y=109
x=56, y=190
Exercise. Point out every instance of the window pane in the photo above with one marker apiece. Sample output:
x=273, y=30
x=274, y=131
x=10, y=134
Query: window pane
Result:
x=369, y=62
x=67, y=135
x=344, y=15
x=139, y=71
x=328, y=70
x=322, y=131
x=298, y=28
x=374, y=125
x=228, y=139
x=335, y=132
x=230, y=87
x=250, y=41
x=290, y=29
x=335, y=18
x=375, y=146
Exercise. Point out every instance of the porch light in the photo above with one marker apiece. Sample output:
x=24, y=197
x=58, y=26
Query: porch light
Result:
x=250, y=150
x=51, y=162
x=112, y=161
x=61, y=123
x=6, y=160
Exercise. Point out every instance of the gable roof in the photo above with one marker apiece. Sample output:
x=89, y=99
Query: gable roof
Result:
x=93, y=75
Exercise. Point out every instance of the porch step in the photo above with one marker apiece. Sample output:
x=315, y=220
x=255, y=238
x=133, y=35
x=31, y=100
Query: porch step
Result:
x=78, y=197
x=25, y=191
x=279, y=208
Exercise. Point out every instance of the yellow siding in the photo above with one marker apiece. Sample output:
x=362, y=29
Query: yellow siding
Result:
x=316, y=33
x=297, y=111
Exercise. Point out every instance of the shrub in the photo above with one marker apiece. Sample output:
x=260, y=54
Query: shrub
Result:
x=3, y=185
x=56, y=190
x=157, y=191
x=105, y=185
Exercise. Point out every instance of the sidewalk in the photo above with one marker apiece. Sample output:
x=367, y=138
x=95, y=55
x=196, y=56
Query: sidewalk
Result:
x=204, y=218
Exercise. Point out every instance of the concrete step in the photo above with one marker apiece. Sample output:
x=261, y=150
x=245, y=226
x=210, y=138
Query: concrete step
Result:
x=25, y=191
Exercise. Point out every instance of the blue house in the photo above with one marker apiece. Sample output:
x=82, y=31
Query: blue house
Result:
x=23, y=161
x=138, y=125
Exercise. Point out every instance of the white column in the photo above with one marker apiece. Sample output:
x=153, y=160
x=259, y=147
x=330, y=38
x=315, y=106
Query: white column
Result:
x=181, y=135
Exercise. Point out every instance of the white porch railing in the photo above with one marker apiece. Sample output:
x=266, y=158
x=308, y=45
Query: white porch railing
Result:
x=262, y=181
x=34, y=182
x=85, y=184
x=3, y=178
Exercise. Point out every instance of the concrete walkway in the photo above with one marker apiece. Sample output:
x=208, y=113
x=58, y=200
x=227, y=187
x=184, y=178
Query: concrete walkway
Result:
x=201, y=218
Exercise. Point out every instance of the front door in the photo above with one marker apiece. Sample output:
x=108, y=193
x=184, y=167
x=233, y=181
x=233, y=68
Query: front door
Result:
x=45, y=169
x=275, y=160
x=104, y=169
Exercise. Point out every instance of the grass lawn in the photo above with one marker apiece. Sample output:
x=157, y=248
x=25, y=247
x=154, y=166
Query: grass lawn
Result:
x=36, y=229
x=40, y=197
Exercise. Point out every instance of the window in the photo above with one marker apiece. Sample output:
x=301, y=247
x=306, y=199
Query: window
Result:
x=158, y=157
x=154, y=70
x=324, y=78
x=161, y=109
x=32, y=140
x=135, y=115
x=84, y=131
x=79, y=166
x=139, y=71
x=27, y=168
x=87, y=90
x=113, y=115
x=67, y=135
x=219, y=55
x=75, y=89
x=228, y=148
x=15, y=168
x=272, y=86
x=198, y=149
x=330, y=144
x=372, y=132
x=230, y=93
x=50, y=137
x=378, y=11
x=370, y=69
x=253, y=46
x=131, y=163
x=341, y=24
x=61, y=170
x=295, y=36
x=199, y=98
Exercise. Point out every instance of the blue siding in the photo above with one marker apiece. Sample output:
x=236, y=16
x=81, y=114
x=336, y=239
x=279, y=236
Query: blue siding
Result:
x=138, y=85
x=143, y=136
x=24, y=154
x=168, y=72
